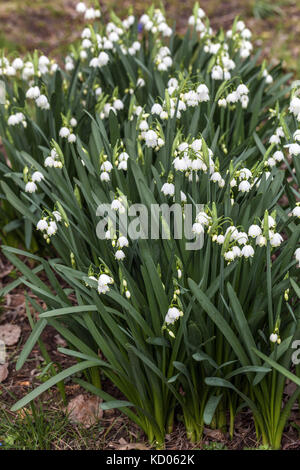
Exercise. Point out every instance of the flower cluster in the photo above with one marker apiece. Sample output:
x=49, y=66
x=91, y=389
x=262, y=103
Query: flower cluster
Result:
x=31, y=180
x=48, y=225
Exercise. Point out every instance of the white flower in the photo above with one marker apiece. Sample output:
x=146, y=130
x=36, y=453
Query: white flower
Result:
x=278, y=156
x=295, y=107
x=203, y=93
x=279, y=132
x=196, y=145
x=242, y=238
x=273, y=338
x=43, y=60
x=220, y=239
x=261, y=240
x=33, y=93
x=10, y=71
x=297, y=256
x=106, y=166
x=197, y=228
x=276, y=239
x=242, y=90
x=42, y=102
x=104, y=279
x=203, y=218
x=119, y=255
x=86, y=33
x=57, y=216
x=123, y=241
x=163, y=115
x=271, y=222
x=42, y=225
x=222, y=102
x=12, y=120
x=49, y=162
x=73, y=122
x=172, y=315
x=191, y=98
x=245, y=173
x=72, y=138
x=30, y=187
x=229, y=256
x=143, y=126
x=233, y=232
x=151, y=139
x=183, y=197
x=232, y=97
x=103, y=289
x=103, y=59
x=173, y=82
x=244, y=186
x=180, y=164
x=237, y=251
x=17, y=63
x=247, y=251
x=244, y=101
x=156, y=109
x=296, y=135
x=118, y=105
x=123, y=165
x=217, y=73
x=116, y=205
x=140, y=82
x=52, y=228
x=274, y=139
x=123, y=156
x=168, y=189
x=107, y=235
x=269, y=79
x=16, y=119
x=81, y=7
x=215, y=177
x=94, y=62
x=104, y=176
x=103, y=283
x=254, y=231
x=69, y=65
x=296, y=211
x=64, y=132
x=37, y=176
x=294, y=149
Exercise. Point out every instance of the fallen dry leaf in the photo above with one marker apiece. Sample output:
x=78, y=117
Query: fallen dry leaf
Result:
x=24, y=384
x=23, y=413
x=214, y=434
x=124, y=445
x=85, y=410
x=60, y=341
x=133, y=446
x=3, y=372
x=10, y=334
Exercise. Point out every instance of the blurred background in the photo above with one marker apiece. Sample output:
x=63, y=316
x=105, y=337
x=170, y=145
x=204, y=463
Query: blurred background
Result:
x=50, y=25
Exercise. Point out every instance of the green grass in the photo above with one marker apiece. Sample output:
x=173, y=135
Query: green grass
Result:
x=40, y=428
